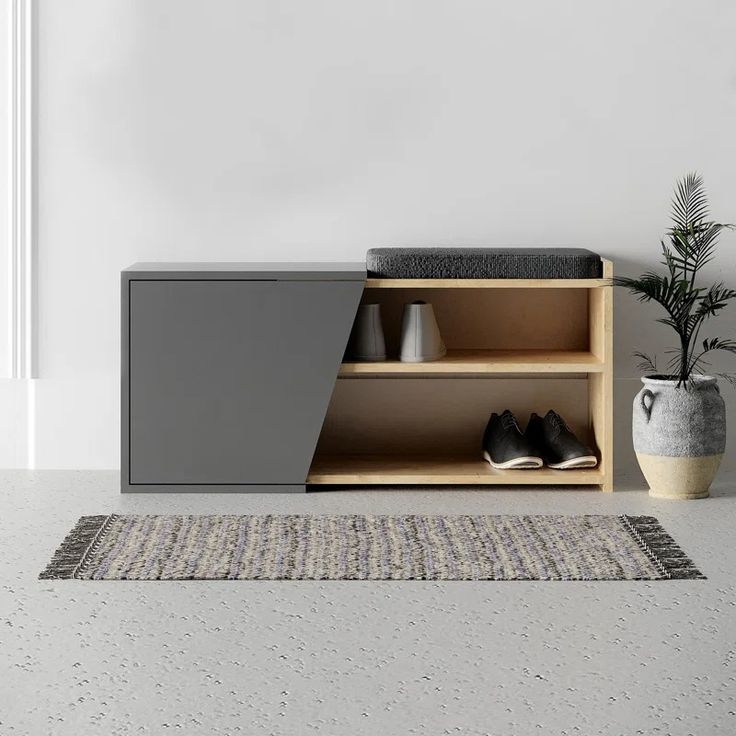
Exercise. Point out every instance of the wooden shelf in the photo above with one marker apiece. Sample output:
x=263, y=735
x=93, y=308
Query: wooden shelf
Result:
x=486, y=283
x=426, y=470
x=522, y=344
x=485, y=361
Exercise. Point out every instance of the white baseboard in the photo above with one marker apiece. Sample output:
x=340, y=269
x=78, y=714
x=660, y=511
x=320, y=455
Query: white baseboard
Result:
x=77, y=423
x=59, y=424
x=15, y=403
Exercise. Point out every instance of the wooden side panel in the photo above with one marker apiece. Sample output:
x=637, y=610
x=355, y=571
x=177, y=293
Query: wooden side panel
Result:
x=600, y=385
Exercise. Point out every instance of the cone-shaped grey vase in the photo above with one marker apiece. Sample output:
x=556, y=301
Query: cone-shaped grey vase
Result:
x=420, y=336
x=366, y=339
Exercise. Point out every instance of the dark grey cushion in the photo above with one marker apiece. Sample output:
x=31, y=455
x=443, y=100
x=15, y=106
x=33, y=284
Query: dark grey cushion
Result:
x=483, y=263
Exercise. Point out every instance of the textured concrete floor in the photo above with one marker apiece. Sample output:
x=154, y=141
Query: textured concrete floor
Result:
x=354, y=658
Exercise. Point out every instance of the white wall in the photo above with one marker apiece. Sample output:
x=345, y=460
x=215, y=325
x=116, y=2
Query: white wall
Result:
x=5, y=183
x=191, y=130
x=13, y=394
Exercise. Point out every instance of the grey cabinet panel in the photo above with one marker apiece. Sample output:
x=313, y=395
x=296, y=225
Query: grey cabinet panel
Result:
x=229, y=380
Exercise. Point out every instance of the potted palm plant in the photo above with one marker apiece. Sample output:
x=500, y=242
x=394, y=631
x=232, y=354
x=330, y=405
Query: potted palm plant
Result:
x=679, y=417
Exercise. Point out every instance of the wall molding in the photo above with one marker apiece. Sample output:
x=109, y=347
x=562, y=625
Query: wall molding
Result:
x=22, y=191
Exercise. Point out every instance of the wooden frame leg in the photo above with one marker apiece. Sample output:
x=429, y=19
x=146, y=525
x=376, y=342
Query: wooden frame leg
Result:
x=600, y=385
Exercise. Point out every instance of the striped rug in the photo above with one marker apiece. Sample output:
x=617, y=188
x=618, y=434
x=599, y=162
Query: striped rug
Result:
x=228, y=547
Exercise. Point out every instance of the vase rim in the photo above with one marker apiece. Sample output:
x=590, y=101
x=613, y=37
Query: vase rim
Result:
x=699, y=379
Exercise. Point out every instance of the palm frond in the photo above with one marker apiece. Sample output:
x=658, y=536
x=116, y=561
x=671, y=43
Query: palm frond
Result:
x=652, y=287
x=646, y=363
x=714, y=300
x=675, y=362
x=690, y=245
x=689, y=201
x=710, y=345
x=690, y=250
x=729, y=377
x=719, y=343
x=669, y=322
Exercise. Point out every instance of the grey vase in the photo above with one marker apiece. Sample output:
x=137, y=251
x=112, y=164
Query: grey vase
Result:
x=366, y=341
x=679, y=435
x=420, y=335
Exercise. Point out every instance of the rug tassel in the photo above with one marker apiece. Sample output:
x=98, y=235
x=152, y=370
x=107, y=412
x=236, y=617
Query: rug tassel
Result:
x=662, y=548
x=74, y=549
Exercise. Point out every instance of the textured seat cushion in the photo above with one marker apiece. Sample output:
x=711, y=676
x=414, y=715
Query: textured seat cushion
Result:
x=483, y=263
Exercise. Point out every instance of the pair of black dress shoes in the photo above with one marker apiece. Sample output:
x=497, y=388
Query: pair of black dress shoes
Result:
x=547, y=441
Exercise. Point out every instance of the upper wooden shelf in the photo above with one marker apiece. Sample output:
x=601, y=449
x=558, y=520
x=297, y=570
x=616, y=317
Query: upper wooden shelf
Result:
x=485, y=361
x=486, y=283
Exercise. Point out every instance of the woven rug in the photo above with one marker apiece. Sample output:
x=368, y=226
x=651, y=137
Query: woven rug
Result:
x=369, y=548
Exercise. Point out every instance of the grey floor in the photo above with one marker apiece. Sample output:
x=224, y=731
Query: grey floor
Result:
x=354, y=658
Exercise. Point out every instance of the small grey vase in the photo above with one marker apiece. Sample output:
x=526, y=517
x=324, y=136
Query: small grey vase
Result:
x=420, y=335
x=366, y=341
x=679, y=435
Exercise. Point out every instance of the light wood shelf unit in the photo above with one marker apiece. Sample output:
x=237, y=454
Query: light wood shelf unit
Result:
x=508, y=340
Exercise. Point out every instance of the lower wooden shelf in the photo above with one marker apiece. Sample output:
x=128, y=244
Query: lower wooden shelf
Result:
x=426, y=470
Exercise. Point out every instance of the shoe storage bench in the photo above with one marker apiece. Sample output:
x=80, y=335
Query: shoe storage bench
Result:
x=526, y=345
x=233, y=377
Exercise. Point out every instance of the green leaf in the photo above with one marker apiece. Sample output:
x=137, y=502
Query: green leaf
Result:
x=646, y=364
x=728, y=377
x=689, y=202
x=719, y=343
x=689, y=246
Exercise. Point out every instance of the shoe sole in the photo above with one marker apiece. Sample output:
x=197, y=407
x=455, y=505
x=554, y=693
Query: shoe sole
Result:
x=518, y=463
x=586, y=461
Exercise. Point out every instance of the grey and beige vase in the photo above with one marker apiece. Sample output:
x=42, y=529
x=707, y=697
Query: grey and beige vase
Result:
x=366, y=341
x=679, y=435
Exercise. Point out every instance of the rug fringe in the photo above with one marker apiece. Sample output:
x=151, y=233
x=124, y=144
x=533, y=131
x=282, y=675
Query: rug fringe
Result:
x=73, y=551
x=662, y=548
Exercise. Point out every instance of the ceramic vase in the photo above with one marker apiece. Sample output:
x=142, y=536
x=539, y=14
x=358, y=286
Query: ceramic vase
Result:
x=679, y=435
x=420, y=335
x=366, y=341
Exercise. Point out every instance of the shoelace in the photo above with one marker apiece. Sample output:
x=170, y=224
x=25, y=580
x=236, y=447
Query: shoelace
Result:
x=508, y=421
x=558, y=422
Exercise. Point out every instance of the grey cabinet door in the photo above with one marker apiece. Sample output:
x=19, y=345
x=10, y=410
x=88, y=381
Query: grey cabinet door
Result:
x=229, y=380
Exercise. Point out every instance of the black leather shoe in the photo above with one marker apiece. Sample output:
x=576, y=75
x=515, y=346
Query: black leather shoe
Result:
x=505, y=446
x=557, y=443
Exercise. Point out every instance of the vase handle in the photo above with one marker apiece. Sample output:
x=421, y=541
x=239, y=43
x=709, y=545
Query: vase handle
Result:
x=642, y=399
